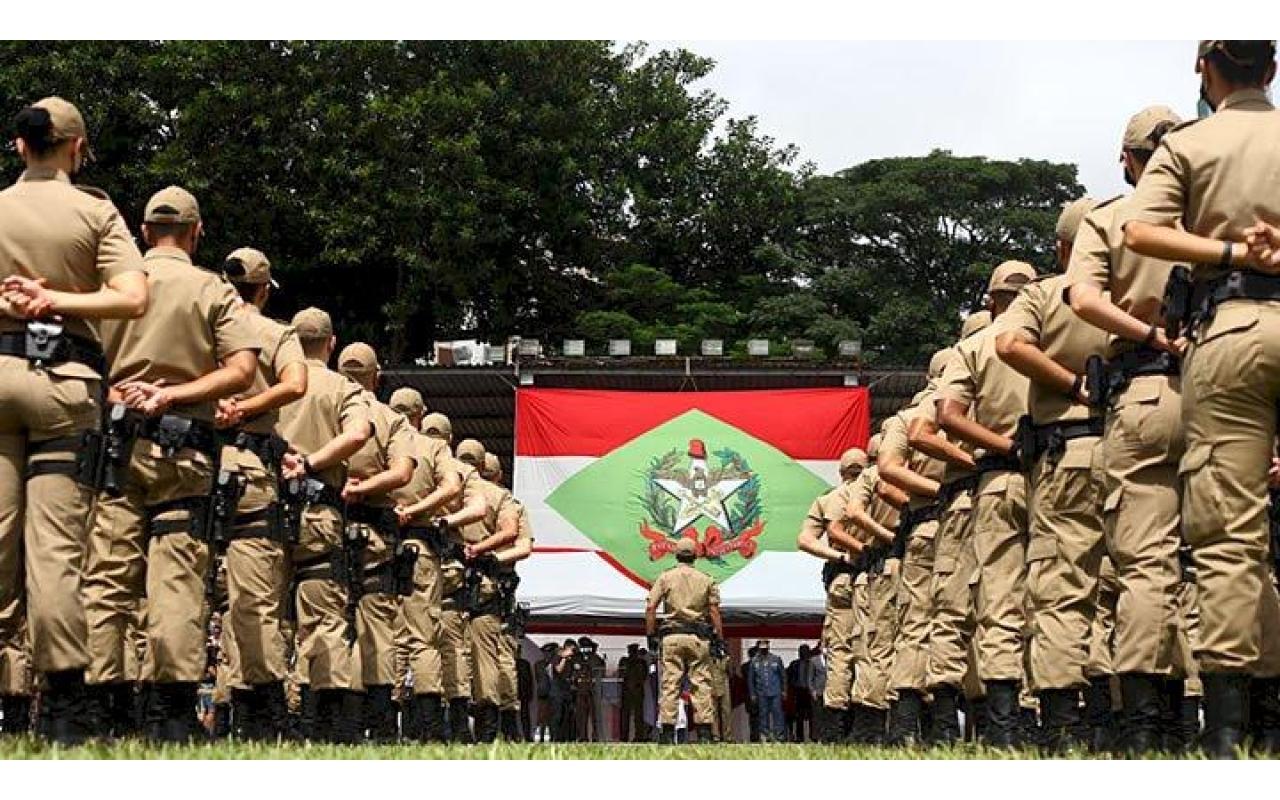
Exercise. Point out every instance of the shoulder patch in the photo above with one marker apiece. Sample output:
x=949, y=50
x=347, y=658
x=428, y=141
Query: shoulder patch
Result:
x=93, y=191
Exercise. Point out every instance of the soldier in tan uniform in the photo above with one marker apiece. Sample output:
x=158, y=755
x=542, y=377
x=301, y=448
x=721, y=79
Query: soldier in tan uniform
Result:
x=918, y=476
x=325, y=428
x=424, y=519
x=1045, y=341
x=979, y=402
x=194, y=347
x=690, y=602
x=384, y=464
x=508, y=581
x=483, y=540
x=826, y=520
x=256, y=560
x=1204, y=192
x=66, y=259
x=1142, y=444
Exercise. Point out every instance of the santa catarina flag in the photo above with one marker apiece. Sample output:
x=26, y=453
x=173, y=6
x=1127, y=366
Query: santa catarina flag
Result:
x=628, y=474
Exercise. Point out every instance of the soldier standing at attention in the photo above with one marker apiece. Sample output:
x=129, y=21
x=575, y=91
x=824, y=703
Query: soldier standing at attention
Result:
x=326, y=427
x=1045, y=341
x=826, y=520
x=633, y=670
x=1142, y=444
x=257, y=569
x=66, y=258
x=1210, y=189
x=690, y=601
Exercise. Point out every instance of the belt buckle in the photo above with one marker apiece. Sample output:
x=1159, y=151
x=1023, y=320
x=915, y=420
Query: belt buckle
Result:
x=42, y=341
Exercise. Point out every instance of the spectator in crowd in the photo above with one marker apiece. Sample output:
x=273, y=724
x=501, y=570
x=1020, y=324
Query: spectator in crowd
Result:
x=767, y=682
x=524, y=692
x=753, y=708
x=799, y=680
x=633, y=671
x=547, y=689
x=563, y=674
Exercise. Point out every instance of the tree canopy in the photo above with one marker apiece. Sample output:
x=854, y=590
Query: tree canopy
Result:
x=426, y=190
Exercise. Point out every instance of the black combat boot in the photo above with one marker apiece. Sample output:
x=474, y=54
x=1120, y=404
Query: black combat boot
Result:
x=348, y=724
x=307, y=719
x=383, y=724
x=1264, y=716
x=127, y=710
x=946, y=715
x=1140, y=696
x=1190, y=717
x=171, y=717
x=326, y=705
x=486, y=716
x=904, y=719
x=667, y=734
x=274, y=710
x=430, y=712
x=1002, y=714
x=245, y=721
x=509, y=725
x=17, y=714
x=1172, y=735
x=975, y=719
x=702, y=733
x=1060, y=719
x=1226, y=713
x=410, y=719
x=67, y=705
x=459, y=725
x=1098, y=719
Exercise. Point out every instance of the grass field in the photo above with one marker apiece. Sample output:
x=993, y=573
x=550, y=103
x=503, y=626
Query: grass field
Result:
x=31, y=749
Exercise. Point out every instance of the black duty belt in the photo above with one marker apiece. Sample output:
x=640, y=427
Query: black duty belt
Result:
x=380, y=518
x=268, y=447
x=1236, y=285
x=47, y=344
x=1115, y=375
x=953, y=489
x=173, y=432
x=436, y=539
x=1051, y=438
x=997, y=462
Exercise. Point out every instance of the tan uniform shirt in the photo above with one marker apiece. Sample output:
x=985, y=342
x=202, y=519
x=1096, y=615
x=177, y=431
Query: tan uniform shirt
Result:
x=73, y=238
x=828, y=508
x=995, y=392
x=499, y=504
x=280, y=348
x=390, y=440
x=434, y=464
x=333, y=405
x=1216, y=176
x=684, y=595
x=194, y=322
x=895, y=441
x=1041, y=317
x=1136, y=282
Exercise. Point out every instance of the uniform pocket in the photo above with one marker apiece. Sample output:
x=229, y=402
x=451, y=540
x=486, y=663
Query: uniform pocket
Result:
x=1202, y=498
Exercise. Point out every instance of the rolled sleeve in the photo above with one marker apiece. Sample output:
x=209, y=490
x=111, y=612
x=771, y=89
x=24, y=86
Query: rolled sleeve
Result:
x=1091, y=253
x=1025, y=315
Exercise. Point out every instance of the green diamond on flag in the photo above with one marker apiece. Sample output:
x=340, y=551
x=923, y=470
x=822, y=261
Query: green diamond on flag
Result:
x=693, y=476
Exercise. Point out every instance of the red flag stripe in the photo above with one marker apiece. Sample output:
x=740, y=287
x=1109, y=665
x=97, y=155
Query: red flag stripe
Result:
x=813, y=424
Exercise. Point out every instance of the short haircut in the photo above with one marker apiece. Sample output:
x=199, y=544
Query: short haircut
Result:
x=168, y=230
x=1243, y=63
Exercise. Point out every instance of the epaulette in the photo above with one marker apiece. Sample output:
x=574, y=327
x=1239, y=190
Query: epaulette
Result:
x=93, y=191
x=1184, y=124
x=1106, y=203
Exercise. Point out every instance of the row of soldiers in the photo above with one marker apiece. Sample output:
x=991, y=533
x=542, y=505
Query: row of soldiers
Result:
x=1073, y=515
x=154, y=422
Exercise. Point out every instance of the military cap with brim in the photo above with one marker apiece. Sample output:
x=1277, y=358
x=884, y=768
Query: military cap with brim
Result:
x=437, y=423
x=1011, y=276
x=1072, y=215
x=686, y=547
x=1145, y=127
x=313, y=323
x=172, y=205
x=1243, y=52
x=358, y=357
x=247, y=265
x=66, y=122
x=853, y=457
x=471, y=452
x=407, y=400
x=492, y=466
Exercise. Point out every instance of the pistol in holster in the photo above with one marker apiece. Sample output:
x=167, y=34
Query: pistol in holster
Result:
x=348, y=571
x=1024, y=441
x=1176, y=307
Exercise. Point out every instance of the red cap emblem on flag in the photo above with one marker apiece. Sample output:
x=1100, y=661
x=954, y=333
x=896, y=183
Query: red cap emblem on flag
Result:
x=697, y=449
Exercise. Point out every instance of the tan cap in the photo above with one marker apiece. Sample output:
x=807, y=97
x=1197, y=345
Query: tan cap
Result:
x=1072, y=215
x=247, y=265
x=407, y=400
x=1147, y=126
x=437, y=424
x=974, y=323
x=873, y=447
x=686, y=547
x=1242, y=52
x=172, y=205
x=939, y=362
x=1011, y=276
x=313, y=323
x=358, y=357
x=853, y=457
x=470, y=451
x=65, y=121
x=492, y=466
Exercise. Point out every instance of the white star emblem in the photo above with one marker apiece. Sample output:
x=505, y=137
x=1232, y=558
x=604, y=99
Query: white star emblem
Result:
x=698, y=502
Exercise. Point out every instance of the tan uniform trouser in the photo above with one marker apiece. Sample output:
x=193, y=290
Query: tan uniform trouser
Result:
x=1189, y=632
x=681, y=653
x=324, y=659
x=1231, y=381
x=915, y=610
x=509, y=680
x=257, y=578
x=488, y=643
x=16, y=674
x=1000, y=549
x=951, y=627
x=1104, y=622
x=1064, y=555
x=837, y=642
x=44, y=520
x=455, y=652
x=871, y=685
x=174, y=565
x=722, y=702
x=1141, y=448
x=421, y=635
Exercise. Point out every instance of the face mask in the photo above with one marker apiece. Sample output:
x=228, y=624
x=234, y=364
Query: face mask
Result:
x=1204, y=107
x=1128, y=176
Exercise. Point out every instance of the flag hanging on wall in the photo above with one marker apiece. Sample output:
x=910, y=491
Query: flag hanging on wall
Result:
x=628, y=474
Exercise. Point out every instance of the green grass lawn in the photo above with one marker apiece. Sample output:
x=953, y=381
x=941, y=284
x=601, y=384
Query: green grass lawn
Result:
x=31, y=749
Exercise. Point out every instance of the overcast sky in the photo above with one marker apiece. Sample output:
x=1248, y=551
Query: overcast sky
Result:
x=845, y=102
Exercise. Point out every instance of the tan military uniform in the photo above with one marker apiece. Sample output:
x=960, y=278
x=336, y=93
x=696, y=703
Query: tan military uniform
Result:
x=487, y=640
x=257, y=570
x=193, y=324
x=332, y=405
x=455, y=636
x=1064, y=552
x=1216, y=177
x=76, y=241
x=685, y=596
x=723, y=727
x=838, y=621
x=878, y=617
x=508, y=680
